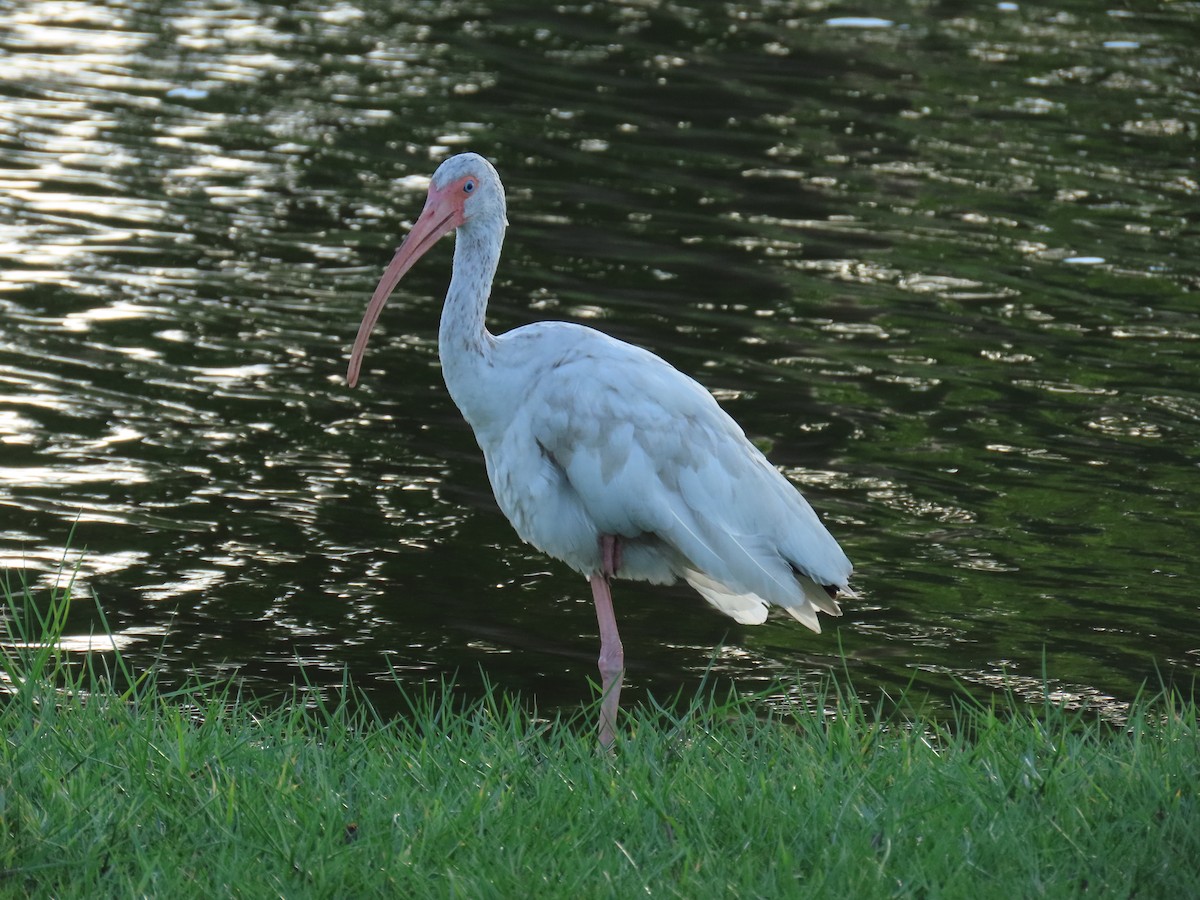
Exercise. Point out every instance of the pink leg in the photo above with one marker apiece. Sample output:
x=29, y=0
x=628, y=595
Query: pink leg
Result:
x=612, y=655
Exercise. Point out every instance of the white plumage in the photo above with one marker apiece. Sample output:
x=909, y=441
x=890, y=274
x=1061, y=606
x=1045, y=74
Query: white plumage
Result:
x=605, y=456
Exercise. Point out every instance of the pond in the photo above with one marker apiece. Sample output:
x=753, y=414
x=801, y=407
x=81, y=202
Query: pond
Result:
x=941, y=260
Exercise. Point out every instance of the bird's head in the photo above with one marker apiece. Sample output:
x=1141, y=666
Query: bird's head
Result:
x=464, y=190
x=470, y=186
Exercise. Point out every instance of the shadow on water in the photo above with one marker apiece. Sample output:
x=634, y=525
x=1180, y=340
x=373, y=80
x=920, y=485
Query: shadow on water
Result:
x=942, y=262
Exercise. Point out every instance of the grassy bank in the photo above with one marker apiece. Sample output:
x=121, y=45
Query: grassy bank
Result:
x=115, y=788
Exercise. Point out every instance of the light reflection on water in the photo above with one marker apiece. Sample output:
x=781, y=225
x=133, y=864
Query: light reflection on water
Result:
x=940, y=263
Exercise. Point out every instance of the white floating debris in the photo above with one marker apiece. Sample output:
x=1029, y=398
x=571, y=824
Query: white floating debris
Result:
x=859, y=22
x=187, y=93
x=1084, y=260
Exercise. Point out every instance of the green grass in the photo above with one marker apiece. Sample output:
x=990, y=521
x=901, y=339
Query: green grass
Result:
x=113, y=787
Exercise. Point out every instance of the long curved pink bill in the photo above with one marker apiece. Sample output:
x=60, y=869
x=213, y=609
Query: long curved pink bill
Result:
x=391, y=277
x=435, y=220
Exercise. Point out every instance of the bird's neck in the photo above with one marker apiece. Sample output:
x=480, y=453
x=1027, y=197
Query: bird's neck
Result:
x=464, y=344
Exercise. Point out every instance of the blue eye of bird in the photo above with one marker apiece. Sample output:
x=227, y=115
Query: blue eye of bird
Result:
x=468, y=187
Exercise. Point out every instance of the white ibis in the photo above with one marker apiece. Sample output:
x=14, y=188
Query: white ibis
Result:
x=603, y=455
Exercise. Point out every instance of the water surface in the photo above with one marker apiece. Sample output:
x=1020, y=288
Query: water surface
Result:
x=941, y=259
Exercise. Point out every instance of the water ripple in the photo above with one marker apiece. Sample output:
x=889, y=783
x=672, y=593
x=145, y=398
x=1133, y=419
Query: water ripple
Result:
x=907, y=253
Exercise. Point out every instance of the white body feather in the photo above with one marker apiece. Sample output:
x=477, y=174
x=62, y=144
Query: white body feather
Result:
x=585, y=435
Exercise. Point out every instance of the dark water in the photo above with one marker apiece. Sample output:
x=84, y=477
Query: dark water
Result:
x=943, y=260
